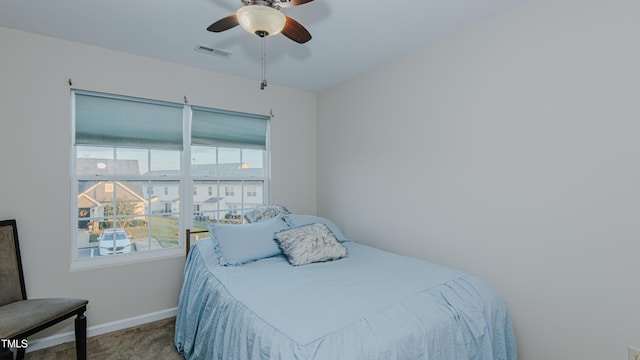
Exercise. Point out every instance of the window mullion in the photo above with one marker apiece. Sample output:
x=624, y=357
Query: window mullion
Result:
x=115, y=196
x=186, y=177
x=150, y=221
x=241, y=184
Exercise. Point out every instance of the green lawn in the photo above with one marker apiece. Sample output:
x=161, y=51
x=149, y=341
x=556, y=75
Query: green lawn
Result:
x=200, y=225
x=165, y=229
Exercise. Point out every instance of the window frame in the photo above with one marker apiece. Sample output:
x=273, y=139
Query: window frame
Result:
x=186, y=184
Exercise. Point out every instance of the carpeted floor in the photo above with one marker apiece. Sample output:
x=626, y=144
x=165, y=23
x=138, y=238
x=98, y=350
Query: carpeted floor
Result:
x=149, y=341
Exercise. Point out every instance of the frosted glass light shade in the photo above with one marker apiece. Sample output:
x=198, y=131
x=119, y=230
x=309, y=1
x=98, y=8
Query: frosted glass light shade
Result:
x=256, y=19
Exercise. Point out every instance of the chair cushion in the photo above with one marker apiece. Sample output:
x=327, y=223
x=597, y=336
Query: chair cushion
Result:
x=22, y=316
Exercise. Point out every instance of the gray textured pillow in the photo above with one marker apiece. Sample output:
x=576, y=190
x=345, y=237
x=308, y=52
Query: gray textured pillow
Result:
x=265, y=212
x=310, y=243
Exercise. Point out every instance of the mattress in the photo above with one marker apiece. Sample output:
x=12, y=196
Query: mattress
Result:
x=370, y=305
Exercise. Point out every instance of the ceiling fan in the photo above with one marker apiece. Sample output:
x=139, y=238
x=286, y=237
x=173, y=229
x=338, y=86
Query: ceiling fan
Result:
x=263, y=18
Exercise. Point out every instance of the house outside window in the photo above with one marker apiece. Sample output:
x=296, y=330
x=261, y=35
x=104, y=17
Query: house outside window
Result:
x=124, y=148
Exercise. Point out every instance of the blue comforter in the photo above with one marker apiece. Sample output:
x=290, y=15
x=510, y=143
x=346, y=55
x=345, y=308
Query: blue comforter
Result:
x=370, y=305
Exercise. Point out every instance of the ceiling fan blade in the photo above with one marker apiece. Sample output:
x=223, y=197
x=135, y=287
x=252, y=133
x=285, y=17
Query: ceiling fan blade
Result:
x=290, y=3
x=296, y=32
x=223, y=24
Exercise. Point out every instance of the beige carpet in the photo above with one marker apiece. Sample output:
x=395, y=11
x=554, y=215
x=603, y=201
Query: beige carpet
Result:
x=149, y=341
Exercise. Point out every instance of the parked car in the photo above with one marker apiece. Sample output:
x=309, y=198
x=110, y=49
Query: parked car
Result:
x=122, y=242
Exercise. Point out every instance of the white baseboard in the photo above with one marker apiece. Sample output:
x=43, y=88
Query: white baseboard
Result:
x=53, y=340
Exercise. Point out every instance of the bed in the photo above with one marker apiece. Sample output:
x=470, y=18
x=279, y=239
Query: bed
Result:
x=368, y=304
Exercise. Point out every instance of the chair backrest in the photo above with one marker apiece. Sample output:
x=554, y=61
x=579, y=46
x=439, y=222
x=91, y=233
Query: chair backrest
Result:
x=11, y=277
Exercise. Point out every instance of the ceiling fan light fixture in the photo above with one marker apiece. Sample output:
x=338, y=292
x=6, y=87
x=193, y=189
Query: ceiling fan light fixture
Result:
x=261, y=20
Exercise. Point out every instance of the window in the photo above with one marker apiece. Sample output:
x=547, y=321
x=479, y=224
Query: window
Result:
x=228, y=152
x=124, y=148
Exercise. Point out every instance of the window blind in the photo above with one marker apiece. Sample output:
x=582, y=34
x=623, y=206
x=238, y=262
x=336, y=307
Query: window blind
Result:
x=127, y=122
x=228, y=129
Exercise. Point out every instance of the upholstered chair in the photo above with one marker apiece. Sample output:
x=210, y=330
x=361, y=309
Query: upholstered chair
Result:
x=21, y=317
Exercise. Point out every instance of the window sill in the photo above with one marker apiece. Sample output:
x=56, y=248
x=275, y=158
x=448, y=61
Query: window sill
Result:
x=124, y=259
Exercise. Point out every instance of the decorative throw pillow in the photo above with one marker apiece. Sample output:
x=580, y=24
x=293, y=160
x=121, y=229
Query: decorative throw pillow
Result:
x=310, y=243
x=294, y=220
x=239, y=244
x=265, y=212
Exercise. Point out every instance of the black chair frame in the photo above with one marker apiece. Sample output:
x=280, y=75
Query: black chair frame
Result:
x=80, y=321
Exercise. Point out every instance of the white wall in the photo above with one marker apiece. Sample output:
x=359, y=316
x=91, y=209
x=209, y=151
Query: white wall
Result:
x=509, y=150
x=35, y=140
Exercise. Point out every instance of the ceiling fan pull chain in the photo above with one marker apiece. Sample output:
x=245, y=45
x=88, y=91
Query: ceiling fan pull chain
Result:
x=263, y=84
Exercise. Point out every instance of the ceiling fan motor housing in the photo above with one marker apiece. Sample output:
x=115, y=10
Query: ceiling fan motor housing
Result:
x=276, y=4
x=269, y=3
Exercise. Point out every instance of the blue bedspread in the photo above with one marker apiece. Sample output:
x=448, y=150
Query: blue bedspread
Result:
x=370, y=305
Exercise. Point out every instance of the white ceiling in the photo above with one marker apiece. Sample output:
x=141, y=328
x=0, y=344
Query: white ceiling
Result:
x=349, y=36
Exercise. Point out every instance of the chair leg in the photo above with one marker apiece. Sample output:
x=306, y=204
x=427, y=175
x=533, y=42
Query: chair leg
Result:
x=81, y=336
x=6, y=354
